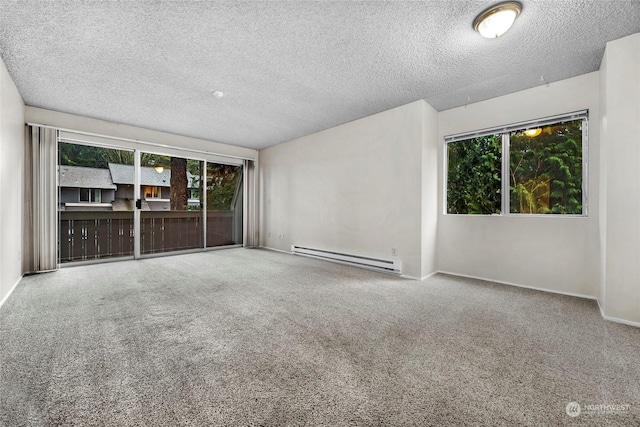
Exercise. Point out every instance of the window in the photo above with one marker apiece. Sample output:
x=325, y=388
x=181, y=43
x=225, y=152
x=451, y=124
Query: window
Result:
x=532, y=168
x=151, y=192
x=474, y=175
x=91, y=195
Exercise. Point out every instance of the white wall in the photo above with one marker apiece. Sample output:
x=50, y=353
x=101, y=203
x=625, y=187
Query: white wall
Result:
x=620, y=98
x=556, y=253
x=602, y=206
x=355, y=188
x=11, y=182
x=429, y=213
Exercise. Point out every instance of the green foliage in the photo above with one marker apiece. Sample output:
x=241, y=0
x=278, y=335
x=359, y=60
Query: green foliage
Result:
x=222, y=181
x=546, y=170
x=474, y=176
x=153, y=160
x=83, y=155
x=99, y=157
x=194, y=166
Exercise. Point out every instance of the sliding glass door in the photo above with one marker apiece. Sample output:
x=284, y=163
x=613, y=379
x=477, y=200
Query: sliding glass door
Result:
x=182, y=203
x=95, y=213
x=224, y=204
x=170, y=204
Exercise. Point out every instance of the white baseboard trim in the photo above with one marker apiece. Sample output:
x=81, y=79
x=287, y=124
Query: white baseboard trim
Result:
x=420, y=279
x=554, y=291
x=623, y=321
x=430, y=275
x=615, y=319
x=275, y=250
x=600, y=307
x=6, y=297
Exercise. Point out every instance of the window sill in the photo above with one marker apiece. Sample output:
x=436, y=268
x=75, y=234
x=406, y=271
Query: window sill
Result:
x=88, y=204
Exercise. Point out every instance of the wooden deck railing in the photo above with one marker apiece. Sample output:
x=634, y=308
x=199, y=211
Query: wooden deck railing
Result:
x=96, y=235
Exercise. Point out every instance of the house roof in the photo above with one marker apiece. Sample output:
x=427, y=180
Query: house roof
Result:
x=124, y=174
x=289, y=68
x=81, y=177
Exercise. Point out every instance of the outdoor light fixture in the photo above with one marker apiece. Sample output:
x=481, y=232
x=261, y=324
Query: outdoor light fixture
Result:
x=159, y=169
x=533, y=132
x=497, y=20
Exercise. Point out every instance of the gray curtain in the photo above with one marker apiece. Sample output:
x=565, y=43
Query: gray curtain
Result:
x=41, y=199
x=251, y=235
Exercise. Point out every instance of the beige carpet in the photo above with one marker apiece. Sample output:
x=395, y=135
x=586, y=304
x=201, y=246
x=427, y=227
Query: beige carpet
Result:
x=253, y=337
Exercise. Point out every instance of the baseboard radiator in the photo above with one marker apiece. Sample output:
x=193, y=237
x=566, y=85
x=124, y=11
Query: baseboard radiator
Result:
x=385, y=265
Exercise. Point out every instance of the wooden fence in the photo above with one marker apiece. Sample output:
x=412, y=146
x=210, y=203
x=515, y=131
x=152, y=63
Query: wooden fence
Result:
x=96, y=235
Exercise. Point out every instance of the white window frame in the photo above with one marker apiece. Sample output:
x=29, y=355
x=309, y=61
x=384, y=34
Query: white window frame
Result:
x=504, y=131
x=154, y=194
x=96, y=195
x=92, y=193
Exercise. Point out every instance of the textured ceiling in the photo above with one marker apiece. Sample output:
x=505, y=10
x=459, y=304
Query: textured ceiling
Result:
x=288, y=69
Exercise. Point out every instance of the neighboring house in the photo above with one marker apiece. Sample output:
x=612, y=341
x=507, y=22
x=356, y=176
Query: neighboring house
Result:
x=86, y=189
x=93, y=189
x=154, y=186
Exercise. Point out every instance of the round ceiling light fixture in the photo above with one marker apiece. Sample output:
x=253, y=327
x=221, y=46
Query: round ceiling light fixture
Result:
x=497, y=20
x=218, y=94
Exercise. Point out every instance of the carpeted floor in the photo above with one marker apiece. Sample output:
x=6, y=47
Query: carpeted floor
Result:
x=254, y=337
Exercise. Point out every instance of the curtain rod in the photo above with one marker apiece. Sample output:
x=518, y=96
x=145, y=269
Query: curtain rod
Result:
x=137, y=141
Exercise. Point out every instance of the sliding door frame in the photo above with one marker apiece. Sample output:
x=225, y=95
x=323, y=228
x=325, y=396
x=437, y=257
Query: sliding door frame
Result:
x=137, y=147
x=137, y=225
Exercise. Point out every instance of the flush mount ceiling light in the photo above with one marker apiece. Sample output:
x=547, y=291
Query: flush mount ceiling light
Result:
x=497, y=20
x=218, y=94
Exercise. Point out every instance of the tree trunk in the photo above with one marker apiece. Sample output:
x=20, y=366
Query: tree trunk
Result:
x=179, y=193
